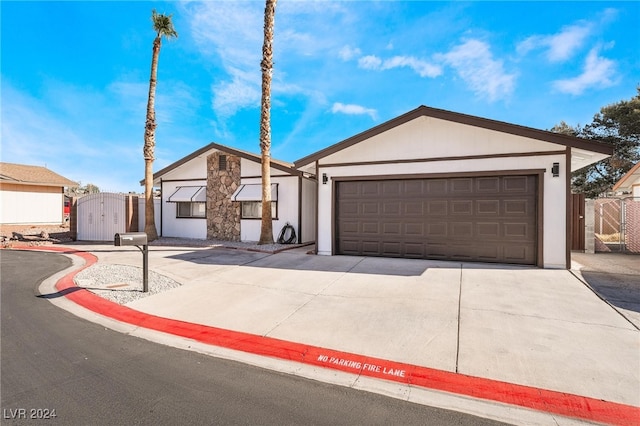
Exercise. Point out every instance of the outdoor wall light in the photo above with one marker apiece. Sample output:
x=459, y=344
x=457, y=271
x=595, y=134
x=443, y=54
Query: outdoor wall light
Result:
x=325, y=179
x=555, y=170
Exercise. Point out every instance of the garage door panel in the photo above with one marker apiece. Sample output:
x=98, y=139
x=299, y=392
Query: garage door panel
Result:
x=414, y=229
x=392, y=249
x=436, y=187
x=437, y=207
x=488, y=219
x=461, y=207
x=488, y=230
x=392, y=229
x=488, y=207
x=413, y=208
x=461, y=230
x=370, y=189
x=488, y=185
x=518, y=207
x=461, y=186
x=516, y=184
x=371, y=228
x=414, y=250
x=436, y=230
x=371, y=248
x=391, y=208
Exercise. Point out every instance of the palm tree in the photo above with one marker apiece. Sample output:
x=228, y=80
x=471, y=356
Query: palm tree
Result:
x=266, y=229
x=163, y=26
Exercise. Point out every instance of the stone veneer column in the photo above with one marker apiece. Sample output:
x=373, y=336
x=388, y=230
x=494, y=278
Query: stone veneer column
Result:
x=223, y=215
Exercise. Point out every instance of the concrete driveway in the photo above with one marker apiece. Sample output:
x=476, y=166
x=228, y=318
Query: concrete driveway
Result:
x=540, y=328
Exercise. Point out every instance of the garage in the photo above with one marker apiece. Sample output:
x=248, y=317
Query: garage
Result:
x=436, y=184
x=485, y=218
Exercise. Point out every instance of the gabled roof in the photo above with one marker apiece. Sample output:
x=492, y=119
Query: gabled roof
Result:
x=32, y=175
x=628, y=179
x=276, y=164
x=423, y=111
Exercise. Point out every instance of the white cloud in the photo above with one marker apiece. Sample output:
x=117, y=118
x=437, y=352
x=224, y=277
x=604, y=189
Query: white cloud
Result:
x=564, y=44
x=597, y=72
x=560, y=46
x=485, y=75
x=347, y=53
x=370, y=62
x=420, y=67
x=351, y=109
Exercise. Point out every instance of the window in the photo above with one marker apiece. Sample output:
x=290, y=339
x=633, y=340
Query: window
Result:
x=186, y=210
x=253, y=209
x=222, y=162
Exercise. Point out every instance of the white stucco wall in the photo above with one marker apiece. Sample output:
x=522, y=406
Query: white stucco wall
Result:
x=309, y=199
x=287, y=208
x=635, y=188
x=191, y=173
x=173, y=226
x=427, y=137
x=432, y=138
x=27, y=207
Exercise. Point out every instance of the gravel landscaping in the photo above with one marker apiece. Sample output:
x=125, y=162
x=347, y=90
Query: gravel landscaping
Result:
x=121, y=283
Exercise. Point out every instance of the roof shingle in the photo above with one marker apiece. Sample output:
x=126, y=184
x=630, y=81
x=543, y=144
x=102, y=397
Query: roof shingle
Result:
x=32, y=175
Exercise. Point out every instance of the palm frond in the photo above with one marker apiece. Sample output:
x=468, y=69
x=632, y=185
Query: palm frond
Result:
x=162, y=24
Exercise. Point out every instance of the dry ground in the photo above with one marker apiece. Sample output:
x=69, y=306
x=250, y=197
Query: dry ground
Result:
x=34, y=235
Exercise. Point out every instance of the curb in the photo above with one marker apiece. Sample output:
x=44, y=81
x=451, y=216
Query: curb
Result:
x=564, y=404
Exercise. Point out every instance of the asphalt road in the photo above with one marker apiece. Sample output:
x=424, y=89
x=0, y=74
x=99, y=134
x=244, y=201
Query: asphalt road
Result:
x=54, y=363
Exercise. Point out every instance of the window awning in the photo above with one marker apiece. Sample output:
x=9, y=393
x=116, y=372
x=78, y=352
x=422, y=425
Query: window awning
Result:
x=189, y=194
x=253, y=192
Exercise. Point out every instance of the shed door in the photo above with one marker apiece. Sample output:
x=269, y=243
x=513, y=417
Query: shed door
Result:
x=101, y=216
x=483, y=219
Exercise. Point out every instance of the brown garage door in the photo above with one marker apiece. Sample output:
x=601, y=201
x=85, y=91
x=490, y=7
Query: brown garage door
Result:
x=484, y=219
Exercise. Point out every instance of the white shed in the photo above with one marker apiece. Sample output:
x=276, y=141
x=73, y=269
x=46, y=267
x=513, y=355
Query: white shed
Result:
x=441, y=185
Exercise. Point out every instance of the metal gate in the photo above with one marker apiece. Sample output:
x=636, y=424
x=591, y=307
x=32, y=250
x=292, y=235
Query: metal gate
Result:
x=101, y=216
x=617, y=224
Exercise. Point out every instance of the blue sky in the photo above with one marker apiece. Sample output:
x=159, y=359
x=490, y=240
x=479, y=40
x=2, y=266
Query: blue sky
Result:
x=75, y=74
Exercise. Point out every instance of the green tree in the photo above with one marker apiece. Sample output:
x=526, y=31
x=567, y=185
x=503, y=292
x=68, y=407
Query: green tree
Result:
x=163, y=26
x=266, y=228
x=617, y=125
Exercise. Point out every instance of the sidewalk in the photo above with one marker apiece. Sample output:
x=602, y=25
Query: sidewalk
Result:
x=501, y=333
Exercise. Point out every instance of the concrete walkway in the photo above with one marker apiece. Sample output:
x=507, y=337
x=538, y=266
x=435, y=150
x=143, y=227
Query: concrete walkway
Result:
x=543, y=329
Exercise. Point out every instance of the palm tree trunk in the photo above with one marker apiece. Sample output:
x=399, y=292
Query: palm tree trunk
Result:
x=149, y=146
x=266, y=228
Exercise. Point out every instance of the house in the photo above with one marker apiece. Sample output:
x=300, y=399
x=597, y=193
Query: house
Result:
x=437, y=184
x=31, y=195
x=630, y=182
x=215, y=193
x=629, y=208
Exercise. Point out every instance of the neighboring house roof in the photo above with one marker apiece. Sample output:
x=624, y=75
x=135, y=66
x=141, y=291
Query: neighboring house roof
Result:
x=631, y=177
x=32, y=175
x=276, y=164
x=528, y=132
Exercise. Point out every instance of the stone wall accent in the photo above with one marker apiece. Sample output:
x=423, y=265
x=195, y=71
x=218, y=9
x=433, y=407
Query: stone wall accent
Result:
x=223, y=215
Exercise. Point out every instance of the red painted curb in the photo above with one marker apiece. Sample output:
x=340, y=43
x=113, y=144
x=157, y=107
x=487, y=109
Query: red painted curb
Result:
x=561, y=403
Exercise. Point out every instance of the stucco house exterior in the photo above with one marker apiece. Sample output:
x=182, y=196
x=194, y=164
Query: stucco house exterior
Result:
x=629, y=183
x=629, y=189
x=437, y=184
x=215, y=193
x=31, y=195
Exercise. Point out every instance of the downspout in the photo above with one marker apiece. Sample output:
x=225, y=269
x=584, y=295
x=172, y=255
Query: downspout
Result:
x=317, y=205
x=299, y=208
x=161, y=205
x=569, y=207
